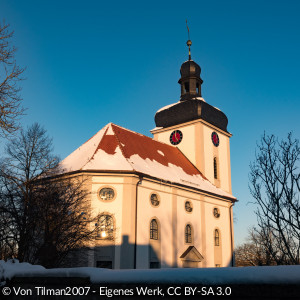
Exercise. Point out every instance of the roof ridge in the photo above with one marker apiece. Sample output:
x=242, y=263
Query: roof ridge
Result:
x=159, y=142
x=92, y=136
x=92, y=156
x=128, y=129
x=121, y=146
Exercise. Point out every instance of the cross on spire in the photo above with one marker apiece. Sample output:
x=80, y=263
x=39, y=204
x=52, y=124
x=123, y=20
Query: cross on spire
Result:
x=189, y=42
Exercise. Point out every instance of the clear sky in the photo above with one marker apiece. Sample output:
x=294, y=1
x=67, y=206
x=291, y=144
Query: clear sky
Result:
x=94, y=62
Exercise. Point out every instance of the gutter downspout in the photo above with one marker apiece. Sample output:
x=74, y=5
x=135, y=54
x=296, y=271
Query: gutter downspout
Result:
x=136, y=206
x=231, y=237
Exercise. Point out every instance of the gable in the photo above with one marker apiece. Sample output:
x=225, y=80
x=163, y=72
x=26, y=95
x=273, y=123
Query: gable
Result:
x=191, y=254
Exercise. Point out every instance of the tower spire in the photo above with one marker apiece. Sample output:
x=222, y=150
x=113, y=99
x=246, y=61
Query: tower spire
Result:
x=189, y=42
x=190, y=80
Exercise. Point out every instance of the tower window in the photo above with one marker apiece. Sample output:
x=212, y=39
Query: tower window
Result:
x=197, y=87
x=188, y=234
x=217, y=237
x=186, y=87
x=153, y=230
x=215, y=168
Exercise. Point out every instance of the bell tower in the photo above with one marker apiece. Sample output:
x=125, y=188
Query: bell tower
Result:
x=190, y=80
x=197, y=128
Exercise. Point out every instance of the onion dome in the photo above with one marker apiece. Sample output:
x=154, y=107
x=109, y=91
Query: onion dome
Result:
x=190, y=80
x=191, y=105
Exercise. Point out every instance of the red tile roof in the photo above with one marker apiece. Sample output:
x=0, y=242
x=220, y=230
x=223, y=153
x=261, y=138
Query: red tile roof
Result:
x=134, y=143
x=115, y=148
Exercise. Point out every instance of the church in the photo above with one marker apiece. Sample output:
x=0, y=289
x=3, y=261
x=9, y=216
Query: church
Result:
x=166, y=201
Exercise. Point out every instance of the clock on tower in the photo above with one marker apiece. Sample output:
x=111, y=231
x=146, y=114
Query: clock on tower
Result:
x=197, y=128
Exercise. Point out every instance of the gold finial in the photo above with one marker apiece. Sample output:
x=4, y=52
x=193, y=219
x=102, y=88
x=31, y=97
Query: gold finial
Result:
x=189, y=42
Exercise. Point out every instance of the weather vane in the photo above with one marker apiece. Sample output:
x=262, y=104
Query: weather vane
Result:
x=189, y=42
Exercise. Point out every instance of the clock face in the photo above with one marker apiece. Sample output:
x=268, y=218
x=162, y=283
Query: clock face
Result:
x=176, y=137
x=215, y=139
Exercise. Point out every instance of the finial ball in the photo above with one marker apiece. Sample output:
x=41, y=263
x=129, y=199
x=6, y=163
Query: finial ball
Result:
x=189, y=42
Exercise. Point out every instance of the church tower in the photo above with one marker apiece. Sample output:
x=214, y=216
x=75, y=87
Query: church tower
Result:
x=197, y=128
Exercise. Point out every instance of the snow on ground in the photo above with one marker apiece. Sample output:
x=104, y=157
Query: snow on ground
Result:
x=208, y=276
x=12, y=267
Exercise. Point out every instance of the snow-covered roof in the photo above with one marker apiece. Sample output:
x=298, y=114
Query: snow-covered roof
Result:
x=167, y=106
x=170, y=105
x=115, y=148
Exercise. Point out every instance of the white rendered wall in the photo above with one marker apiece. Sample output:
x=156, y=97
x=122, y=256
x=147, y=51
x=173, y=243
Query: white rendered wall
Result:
x=114, y=208
x=223, y=224
x=172, y=209
x=223, y=155
x=197, y=146
x=171, y=216
x=163, y=214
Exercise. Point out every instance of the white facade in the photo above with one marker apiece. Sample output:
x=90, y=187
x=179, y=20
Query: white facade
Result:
x=132, y=211
x=166, y=201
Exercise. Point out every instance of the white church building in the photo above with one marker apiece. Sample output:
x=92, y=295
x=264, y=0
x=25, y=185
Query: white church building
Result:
x=164, y=201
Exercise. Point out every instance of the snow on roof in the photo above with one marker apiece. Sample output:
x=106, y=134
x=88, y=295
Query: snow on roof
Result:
x=199, y=98
x=209, y=276
x=170, y=105
x=101, y=152
x=167, y=106
x=117, y=148
x=161, y=153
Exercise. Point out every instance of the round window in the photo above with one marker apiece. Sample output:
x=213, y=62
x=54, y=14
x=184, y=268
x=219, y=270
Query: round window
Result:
x=106, y=194
x=154, y=199
x=216, y=212
x=188, y=206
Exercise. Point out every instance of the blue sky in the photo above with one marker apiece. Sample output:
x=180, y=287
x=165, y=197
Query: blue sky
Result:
x=94, y=62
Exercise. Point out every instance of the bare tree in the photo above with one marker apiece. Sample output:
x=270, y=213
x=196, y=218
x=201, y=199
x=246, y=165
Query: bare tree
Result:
x=65, y=221
x=275, y=186
x=10, y=75
x=47, y=214
x=253, y=252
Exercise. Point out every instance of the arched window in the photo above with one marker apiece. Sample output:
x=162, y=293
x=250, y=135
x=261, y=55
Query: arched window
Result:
x=188, y=234
x=217, y=237
x=186, y=87
x=215, y=168
x=197, y=87
x=153, y=230
x=105, y=227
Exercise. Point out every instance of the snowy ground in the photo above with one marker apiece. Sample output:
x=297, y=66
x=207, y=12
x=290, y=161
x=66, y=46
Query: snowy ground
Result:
x=209, y=276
